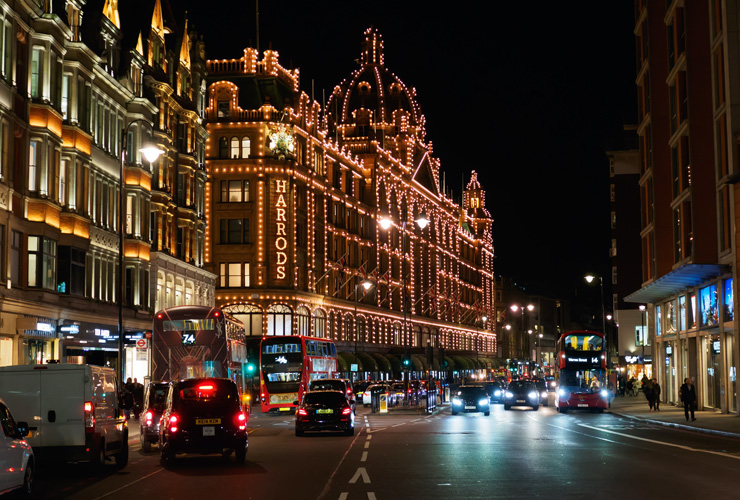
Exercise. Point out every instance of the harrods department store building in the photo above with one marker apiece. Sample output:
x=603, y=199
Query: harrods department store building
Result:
x=296, y=204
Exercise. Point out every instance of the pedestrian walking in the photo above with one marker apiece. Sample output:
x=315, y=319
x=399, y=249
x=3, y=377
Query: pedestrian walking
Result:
x=647, y=390
x=128, y=398
x=656, y=394
x=630, y=385
x=687, y=394
x=138, y=393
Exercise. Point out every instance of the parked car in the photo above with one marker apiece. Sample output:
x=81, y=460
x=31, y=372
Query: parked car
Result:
x=203, y=415
x=16, y=455
x=75, y=411
x=335, y=384
x=155, y=398
x=470, y=398
x=521, y=393
x=325, y=411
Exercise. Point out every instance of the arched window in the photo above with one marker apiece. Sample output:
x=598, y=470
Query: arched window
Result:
x=246, y=147
x=223, y=148
x=347, y=328
x=319, y=323
x=396, y=333
x=248, y=314
x=362, y=330
x=303, y=321
x=279, y=317
x=234, y=147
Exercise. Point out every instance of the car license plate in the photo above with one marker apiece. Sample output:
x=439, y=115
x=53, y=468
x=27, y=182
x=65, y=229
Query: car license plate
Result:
x=283, y=409
x=520, y=401
x=325, y=410
x=582, y=405
x=470, y=407
x=209, y=431
x=207, y=421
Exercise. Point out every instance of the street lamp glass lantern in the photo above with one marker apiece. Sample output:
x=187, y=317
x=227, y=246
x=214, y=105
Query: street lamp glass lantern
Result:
x=385, y=222
x=589, y=278
x=422, y=221
x=366, y=284
x=151, y=153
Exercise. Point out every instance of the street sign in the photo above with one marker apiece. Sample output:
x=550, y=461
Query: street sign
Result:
x=148, y=335
x=354, y=367
x=141, y=343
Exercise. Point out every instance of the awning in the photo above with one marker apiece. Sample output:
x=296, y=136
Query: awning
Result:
x=383, y=364
x=676, y=281
x=369, y=364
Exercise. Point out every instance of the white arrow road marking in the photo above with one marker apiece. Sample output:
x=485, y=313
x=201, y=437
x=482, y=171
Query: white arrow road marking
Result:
x=361, y=473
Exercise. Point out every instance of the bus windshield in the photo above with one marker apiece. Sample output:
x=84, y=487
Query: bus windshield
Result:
x=582, y=343
x=582, y=381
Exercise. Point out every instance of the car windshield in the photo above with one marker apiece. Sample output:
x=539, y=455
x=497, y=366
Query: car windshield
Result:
x=471, y=391
x=519, y=386
x=324, y=398
x=327, y=385
x=158, y=396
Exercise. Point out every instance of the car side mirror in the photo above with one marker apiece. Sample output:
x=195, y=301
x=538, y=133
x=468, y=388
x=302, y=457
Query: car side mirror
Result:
x=22, y=429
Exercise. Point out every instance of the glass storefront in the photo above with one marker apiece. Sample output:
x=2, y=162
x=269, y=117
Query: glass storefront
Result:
x=667, y=393
x=713, y=372
x=732, y=371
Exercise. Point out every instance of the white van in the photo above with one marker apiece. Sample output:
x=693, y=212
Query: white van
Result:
x=73, y=411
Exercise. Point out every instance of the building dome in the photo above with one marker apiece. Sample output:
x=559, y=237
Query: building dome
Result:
x=374, y=99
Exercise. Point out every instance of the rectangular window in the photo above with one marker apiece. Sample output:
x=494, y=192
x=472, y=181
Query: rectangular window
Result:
x=42, y=262
x=4, y=148
x=15, y=258
x=36, y=73
x=33, y=162
x=246, y=275
x=235, y=274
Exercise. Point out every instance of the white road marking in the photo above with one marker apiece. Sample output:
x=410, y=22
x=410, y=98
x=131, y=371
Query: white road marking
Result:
x=325, y=491
x=370, y=495
x=130, y=484
x=360, y=474
x=398, y=425
x=369, y=436
x=687, y=448
x=343, y=495
x=367, y=444
x=364, y=457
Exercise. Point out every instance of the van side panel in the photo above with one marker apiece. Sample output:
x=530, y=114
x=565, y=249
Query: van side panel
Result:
x=21, y=392
x=63, y=400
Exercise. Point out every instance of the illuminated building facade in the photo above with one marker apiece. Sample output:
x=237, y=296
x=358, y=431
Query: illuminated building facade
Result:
x=73, y=76
x=294, y=204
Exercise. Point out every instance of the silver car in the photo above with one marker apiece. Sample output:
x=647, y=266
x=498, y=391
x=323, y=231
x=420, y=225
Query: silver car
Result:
x=16, y=454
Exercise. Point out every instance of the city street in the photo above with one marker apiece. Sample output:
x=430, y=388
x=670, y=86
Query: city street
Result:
x=510, y=454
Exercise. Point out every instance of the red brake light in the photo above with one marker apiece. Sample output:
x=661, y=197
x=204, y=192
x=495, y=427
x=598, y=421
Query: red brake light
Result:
x=89, y=416
x=88, y=406
x=217, y=314
x=241, y=420
x=149, y=415
x=302, y=412
x=205, y=387
x=347, y=411
x=173, y=423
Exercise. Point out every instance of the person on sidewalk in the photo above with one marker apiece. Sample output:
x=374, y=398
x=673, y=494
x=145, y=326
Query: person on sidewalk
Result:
x=647, y=390
x=688, y=397
x=656, y=394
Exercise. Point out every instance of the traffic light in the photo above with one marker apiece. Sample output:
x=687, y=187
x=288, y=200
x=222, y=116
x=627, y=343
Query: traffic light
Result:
x=406, y=359
x=250, y=368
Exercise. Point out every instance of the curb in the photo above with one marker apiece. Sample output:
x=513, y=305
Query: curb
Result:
x=683, y=427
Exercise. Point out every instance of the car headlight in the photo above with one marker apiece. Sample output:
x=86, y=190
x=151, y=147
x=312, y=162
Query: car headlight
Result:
x=544, y=394
x=482, y=402
x=552, y=384
x=509, y=394
x=532, y=395
x=561, y=392
x=456, y=401
x=497, y=393
x=604, y=394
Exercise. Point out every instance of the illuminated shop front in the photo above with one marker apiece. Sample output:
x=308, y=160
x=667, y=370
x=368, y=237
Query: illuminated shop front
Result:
x=294, y=206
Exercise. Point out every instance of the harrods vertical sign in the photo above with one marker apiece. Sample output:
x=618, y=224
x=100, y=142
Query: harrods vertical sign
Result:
x=280, y=236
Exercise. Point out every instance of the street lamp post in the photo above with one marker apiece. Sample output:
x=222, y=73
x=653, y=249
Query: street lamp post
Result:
x=515, y=308
x=422, y=221
x=151, y=153
x=642, y=335
x=366, y=284
x=589, y=278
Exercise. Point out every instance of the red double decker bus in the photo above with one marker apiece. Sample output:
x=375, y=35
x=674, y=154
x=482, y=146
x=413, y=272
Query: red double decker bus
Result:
x=288, y=364
x=198, y=341
x=582, y=374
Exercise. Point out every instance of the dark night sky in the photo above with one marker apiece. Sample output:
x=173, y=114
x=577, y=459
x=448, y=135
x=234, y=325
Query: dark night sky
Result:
x=529, y=96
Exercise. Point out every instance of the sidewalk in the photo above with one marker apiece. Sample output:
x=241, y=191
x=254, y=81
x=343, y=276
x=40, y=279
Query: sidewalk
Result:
x=709, y=421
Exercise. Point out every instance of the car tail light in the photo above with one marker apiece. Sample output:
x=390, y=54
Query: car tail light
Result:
x=241, y=420
x=205, y=388
x=173, y=423
x=89, y=416
x=302, y=412
x=347, y=411
x=149, y=416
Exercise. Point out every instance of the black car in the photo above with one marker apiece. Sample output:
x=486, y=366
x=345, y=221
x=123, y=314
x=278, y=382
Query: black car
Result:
x=495, y=391
x=552, y=384
x=335, y=384
x=470, y=398
x=203, y=415
x=153, y=404
x=325, y=411
x=521, y=393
